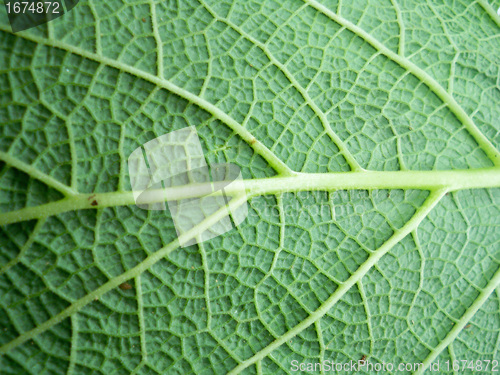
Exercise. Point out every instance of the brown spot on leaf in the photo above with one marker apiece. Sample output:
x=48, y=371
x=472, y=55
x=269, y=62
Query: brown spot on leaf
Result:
x=94, y=203
x=253, y=141
x=143, y=19
x=125, y=286
x=467, y=326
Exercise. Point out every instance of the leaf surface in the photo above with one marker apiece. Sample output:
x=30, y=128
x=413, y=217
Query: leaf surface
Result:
x=367, y=133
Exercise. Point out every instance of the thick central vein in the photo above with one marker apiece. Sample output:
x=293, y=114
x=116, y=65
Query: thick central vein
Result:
x=367, y=180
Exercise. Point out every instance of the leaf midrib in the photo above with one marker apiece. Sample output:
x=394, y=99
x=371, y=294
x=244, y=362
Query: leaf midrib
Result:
x=452, y=180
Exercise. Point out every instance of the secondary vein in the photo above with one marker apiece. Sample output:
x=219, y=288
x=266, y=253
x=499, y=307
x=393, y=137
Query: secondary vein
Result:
x=429, y=204
x=277, y=164
x=354, y=165
x=35, y=173
x=459, y=326
x=131, y=273
x=483, y=142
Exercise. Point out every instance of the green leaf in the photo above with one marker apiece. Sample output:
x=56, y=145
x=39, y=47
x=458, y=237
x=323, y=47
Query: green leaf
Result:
x=368, y=136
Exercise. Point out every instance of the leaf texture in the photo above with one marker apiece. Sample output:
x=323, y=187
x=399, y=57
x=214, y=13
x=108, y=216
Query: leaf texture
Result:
x=368, y=136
